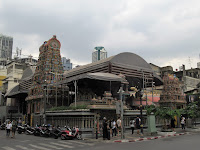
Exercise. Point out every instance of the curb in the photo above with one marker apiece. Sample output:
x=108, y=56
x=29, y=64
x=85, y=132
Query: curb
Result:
x=149, y=138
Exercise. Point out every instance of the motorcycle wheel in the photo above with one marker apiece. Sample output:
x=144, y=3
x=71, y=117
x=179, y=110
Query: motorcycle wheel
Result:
x=26, y=132
x=79, y=136
x=55, y=137
x=19, y=132
x=62, y=137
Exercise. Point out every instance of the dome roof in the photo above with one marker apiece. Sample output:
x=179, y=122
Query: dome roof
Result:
x=130, y=59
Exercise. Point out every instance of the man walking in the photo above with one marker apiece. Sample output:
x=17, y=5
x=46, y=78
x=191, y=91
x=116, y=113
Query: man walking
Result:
x=119, y=127
x=14, y=127
x=132, y=125
x=137, y=124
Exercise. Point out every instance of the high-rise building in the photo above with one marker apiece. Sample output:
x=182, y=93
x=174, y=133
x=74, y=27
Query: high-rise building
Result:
x=67, y=65
x=6, y=44
x=99, y=53
x=198, y=65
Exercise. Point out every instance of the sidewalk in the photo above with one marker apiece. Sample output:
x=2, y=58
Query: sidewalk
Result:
x=134, y=137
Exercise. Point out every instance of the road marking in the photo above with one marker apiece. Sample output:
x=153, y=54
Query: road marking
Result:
x=51, y=146
x=39, y=147
x=82, y=143
x=8, y=148
x=67, y=142
x=62, y=145
x=25, y=141
x=22, y=147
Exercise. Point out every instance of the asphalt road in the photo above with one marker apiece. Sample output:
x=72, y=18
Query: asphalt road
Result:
x=185, y=142
x=30, y=142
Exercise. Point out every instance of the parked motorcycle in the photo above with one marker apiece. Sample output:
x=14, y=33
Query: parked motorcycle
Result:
x=21, y=129
x=56, y=132
x=37, y=131
x=30, y=130
x=71, y=134
x=45, y=131
x=3, y=126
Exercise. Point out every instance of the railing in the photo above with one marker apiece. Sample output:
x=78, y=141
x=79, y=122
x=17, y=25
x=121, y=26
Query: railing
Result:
x=81, y=122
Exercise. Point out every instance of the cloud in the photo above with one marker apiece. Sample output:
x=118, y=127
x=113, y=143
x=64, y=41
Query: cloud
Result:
x=162, y=32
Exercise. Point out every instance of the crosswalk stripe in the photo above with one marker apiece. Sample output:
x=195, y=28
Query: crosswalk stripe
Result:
x=90, y=144
x=8, y=148
x=67, y=142
x=39, y=147
x=51, y=146
x=22, y=147
x=62, y=145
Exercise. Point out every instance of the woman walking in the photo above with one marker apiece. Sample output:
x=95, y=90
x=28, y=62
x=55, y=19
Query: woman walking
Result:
x=8, y=128
x=183, y=123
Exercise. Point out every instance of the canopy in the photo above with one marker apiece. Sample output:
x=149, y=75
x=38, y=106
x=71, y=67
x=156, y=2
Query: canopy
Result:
x=97, y=76
x=14, y=90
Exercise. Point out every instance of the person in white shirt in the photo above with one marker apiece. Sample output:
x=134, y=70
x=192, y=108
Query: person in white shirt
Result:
x=183, y=123
x=119, y=127
x=114, y=128
x=132, y=125
x=8, y=128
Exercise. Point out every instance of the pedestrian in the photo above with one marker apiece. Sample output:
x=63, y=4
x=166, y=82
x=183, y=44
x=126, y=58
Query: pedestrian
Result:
x=137, y=124
x=105, y=129
x=132, y=125
x=119, y=127
x=183, y=123
x=109, y=128
x=114, y=128
x=14, y=127
x=173, y=124
x=19, y=122
x=8, y=128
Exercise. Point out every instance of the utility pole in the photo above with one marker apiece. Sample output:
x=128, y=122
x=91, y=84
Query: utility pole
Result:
x=75, y=85
x=122, y=112
x=141, y=94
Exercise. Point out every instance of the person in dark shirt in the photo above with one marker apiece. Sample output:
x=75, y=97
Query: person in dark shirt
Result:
x=173, y=124
x=105, y=129
x=137, y=124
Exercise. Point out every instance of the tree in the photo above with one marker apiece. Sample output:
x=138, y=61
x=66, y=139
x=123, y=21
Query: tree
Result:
x=166, y=114
x=150, y=109
x=192, y=111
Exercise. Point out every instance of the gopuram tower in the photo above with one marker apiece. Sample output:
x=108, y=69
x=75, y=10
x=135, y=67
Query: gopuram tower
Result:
x=171, y=95
x=45, y=91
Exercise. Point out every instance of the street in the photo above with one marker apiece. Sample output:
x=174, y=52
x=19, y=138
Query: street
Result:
x=30, y=142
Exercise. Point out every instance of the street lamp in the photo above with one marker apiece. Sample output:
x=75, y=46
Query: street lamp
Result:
x=122, y=110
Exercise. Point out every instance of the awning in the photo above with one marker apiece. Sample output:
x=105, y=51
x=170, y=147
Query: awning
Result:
x=97, y=76
x=14, y=91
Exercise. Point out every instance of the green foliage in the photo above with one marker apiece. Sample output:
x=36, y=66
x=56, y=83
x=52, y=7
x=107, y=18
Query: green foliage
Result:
x=150, y=109
x=166, y=112
x=68, y=108
x=192, y=110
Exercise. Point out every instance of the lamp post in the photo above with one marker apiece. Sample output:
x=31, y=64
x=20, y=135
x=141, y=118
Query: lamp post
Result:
x=122, y=111
x=152, y=90
x=141, y=94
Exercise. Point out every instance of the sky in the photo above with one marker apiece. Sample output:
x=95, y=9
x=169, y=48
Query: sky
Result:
x=163, y=32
